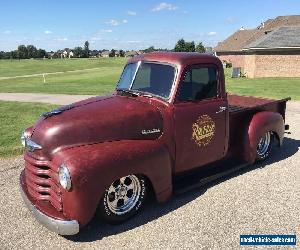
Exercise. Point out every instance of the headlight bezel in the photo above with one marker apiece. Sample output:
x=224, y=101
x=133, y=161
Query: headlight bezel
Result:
x=64, y=177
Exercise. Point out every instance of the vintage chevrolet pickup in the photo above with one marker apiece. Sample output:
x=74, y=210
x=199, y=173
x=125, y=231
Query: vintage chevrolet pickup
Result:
x=169, y=121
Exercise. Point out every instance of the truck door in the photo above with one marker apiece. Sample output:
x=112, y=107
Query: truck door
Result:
x=200, y=117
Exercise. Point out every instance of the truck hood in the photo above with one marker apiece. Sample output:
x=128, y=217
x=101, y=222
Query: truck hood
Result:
x=96, y=120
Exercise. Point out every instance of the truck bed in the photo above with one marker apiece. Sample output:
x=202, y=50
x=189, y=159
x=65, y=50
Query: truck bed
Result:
x=239, y=104
x=241, y=111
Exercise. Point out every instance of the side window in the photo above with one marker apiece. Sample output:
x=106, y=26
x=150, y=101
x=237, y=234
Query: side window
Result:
x=198, y=83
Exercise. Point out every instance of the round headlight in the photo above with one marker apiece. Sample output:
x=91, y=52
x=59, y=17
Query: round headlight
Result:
x=64, y=177
x=23, y=138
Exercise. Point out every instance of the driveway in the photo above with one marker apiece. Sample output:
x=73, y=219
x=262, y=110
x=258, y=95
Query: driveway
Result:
x=43, y=98
x=263, y=199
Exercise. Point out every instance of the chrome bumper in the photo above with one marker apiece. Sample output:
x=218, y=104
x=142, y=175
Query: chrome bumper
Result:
x=62, y=227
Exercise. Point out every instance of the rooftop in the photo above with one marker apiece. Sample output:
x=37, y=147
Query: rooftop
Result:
x=243, y=38
x=283, y=37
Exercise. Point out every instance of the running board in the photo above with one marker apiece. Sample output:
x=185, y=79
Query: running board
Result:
x=205, y=175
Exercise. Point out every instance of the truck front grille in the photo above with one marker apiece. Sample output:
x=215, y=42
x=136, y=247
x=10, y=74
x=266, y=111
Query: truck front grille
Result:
x=42, y=185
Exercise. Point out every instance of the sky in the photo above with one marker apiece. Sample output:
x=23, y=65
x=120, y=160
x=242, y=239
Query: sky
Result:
x=130, y=24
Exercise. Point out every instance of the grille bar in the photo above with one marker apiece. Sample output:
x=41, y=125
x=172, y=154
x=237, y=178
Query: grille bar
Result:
x=42, y=183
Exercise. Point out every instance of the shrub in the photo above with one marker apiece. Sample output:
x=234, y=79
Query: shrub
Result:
x=228, y=65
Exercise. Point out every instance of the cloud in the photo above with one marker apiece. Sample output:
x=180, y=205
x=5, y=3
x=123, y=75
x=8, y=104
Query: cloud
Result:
x=96, y=38
x=164, y=6
x=131, y=13
x=125, y=21
x=212, y=33
x=63, y=39
x=113, y=22
x=230, y=19
x=133, y=41
x=47, y=32
x=106, y=31
x=7, y=32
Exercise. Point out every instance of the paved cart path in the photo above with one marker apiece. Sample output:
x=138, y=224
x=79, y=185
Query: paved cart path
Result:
x=60, y=99
x=46, y=73
x=265, y=199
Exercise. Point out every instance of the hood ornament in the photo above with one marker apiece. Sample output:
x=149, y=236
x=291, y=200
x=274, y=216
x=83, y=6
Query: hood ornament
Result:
x=57, y=111
x=150, y=131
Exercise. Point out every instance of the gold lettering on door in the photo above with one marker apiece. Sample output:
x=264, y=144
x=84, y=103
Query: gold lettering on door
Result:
x=203, y=130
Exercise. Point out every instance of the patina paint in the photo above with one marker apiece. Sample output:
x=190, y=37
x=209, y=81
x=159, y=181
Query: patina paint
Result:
x=104, y=138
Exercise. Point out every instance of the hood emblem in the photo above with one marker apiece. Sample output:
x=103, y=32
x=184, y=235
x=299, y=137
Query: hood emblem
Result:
x=150, y=131
x=57, y=111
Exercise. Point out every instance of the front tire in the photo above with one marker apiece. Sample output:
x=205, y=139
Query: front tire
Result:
x=264, y=147
x=123, y=199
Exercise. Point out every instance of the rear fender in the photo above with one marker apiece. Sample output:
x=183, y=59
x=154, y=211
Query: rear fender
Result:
x=261, y=123
x=94, y=167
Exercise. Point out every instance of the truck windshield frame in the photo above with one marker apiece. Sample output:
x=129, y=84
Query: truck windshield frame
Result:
x=130, y=79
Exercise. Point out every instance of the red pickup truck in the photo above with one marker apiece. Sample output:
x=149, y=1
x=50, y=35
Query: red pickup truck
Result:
x=170, y=121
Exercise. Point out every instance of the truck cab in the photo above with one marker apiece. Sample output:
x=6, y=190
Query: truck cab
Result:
x=168, y=118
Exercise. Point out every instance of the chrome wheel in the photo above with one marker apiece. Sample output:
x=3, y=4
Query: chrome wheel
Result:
x=264, y=146
x=123, y=194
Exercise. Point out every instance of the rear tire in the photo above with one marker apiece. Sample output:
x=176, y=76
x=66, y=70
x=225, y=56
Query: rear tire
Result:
x=123, y=199
x=264, y=147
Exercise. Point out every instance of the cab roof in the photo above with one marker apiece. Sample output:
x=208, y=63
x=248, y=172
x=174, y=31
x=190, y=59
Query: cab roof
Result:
x=178, y=58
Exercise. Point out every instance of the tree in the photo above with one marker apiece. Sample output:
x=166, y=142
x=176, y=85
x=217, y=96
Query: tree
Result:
x=190, y=46
x=183, y=46
x=150, y=49
x=78, y=52
x=200, y=48
x=41, y=53
x=14, y=54
x=31, y=51
x=86, y=49
x=112, y=53
x=23, y=52
x=5, y=55
x=122, y=53
x=180, y=45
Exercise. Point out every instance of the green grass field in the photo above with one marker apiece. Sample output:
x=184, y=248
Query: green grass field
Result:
x=14, y=117
x=276, y=88
x=99, y=80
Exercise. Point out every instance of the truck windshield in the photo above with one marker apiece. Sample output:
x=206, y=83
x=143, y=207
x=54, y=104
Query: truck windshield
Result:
x=150, y=78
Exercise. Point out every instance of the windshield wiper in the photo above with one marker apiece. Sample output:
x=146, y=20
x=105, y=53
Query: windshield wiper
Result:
x=129, y=92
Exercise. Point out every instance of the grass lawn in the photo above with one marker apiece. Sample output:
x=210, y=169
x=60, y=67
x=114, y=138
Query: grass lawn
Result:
x=103, y=80
x=14, y=117
x=93, y=82
x=30, y=66
x=277, y=88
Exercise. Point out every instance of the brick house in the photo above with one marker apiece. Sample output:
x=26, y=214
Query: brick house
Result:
x=270, y=50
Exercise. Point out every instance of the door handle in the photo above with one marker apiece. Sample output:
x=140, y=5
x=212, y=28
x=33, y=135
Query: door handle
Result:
x=222, y=108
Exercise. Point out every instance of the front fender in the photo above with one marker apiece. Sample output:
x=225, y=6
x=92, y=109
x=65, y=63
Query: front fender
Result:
x=94, y=167
x=261, y=123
